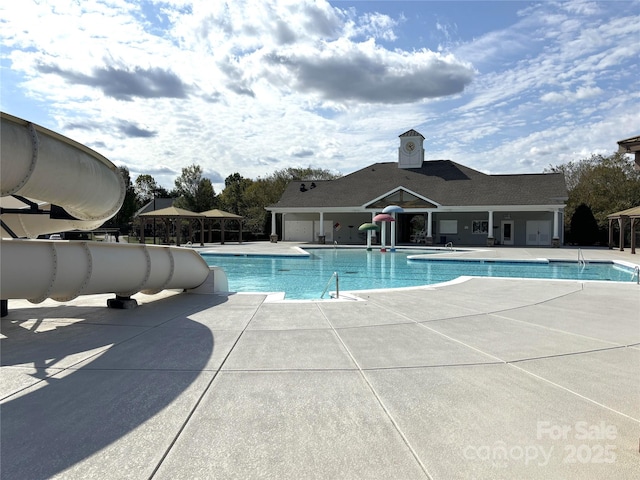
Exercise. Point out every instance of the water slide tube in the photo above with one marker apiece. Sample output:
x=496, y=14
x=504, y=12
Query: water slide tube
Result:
x=52, y=184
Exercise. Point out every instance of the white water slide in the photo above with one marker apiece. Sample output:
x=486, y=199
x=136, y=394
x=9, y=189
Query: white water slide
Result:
x=52, y=184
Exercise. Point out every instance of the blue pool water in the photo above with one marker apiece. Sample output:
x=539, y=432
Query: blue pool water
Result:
x=358, y=269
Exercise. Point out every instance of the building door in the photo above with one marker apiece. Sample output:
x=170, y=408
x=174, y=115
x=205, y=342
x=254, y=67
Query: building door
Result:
x=538, y=232
x=507, y=232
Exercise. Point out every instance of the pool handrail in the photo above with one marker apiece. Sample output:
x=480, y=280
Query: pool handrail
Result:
x=335, y=274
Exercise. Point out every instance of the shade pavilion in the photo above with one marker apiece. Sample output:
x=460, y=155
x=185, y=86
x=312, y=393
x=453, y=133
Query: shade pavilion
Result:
x=175, y=216
x=631, y=214
x=223, y=217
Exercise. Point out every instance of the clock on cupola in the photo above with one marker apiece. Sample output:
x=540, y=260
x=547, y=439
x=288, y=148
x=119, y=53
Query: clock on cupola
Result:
x=411, y=152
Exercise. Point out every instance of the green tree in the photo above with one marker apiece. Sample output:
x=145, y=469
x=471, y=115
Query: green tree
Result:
x=267, y=191
x=232, y=198
x=584, y=227
x=193, y=191
x=186, y=187
x=205, y=198
x=129, y=206
x=147, y=188
x=605, y=184
x=257, y=196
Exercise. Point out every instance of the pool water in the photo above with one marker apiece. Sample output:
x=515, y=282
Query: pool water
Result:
x=303, y=277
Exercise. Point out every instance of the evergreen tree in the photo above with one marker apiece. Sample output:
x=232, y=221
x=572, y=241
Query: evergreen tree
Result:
x=584, y=227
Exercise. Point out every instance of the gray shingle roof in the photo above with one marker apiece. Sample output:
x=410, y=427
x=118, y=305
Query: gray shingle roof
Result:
x=158, y=204
x=411, y=133
x=442, y=181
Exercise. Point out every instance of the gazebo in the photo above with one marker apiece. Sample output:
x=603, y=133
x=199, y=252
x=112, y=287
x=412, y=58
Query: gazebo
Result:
x=174, y=214
x=633, y=214
x=632, y=147
x=223, y=217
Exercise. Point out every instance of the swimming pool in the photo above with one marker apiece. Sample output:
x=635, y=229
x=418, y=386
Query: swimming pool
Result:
x=305, y=277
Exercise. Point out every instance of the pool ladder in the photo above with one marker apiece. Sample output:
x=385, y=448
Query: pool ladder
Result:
x=636, y=274
x=449, y=246
x=335, y=275
x=581, y=260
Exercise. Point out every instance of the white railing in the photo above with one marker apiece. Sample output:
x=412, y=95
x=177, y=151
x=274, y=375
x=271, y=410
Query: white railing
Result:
x=581, y=260
x=335, y=275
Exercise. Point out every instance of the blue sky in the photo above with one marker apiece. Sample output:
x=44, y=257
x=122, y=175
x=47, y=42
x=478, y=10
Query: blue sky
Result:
x=253, y=86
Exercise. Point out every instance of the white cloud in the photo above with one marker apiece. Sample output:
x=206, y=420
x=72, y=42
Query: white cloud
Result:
x=581, y=93
x=253, y=86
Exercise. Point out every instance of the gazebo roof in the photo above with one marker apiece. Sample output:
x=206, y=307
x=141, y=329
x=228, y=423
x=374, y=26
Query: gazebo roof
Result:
x=215, y=213
x=172, y=212
x=629, y=145
x=629, y=212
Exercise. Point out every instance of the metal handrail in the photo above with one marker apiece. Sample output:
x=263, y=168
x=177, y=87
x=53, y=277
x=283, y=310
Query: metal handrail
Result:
x=581, y=260
x=449, y=245
x=636, y=273
x=335, y=274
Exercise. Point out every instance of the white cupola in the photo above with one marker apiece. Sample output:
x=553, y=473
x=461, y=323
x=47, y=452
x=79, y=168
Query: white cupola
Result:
x=411, y=151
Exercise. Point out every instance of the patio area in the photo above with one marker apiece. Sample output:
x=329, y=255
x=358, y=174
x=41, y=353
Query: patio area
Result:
x=487, y=378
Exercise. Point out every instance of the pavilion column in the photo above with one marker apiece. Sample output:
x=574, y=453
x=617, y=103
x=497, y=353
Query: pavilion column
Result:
x=178, y=229
x=321, y=236
x=611, y=234
x=274, y=236
x=222, y=221
x=429, y=239
x=490, y=240
x=202, y=232
x=555, y=242
x=633, y=235
x=142, y=230
x=621, y=225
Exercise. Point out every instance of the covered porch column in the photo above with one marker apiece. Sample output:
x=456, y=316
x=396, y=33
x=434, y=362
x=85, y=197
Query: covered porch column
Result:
x=491, y=241
x=321, y=235
x=429, y=238
x=633, y=234
x=555, y=241
x=274, y=236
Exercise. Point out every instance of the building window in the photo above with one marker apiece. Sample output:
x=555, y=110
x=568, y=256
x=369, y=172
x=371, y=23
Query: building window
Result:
x=480, y=227
x=448, y=226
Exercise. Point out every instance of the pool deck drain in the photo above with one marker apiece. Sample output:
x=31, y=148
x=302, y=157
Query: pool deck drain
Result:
x=483, y=378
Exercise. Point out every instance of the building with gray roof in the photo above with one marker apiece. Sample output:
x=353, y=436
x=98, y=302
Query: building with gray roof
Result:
x=442, y=201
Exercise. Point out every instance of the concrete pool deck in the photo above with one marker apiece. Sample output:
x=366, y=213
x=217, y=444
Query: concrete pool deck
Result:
x=485, y=378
